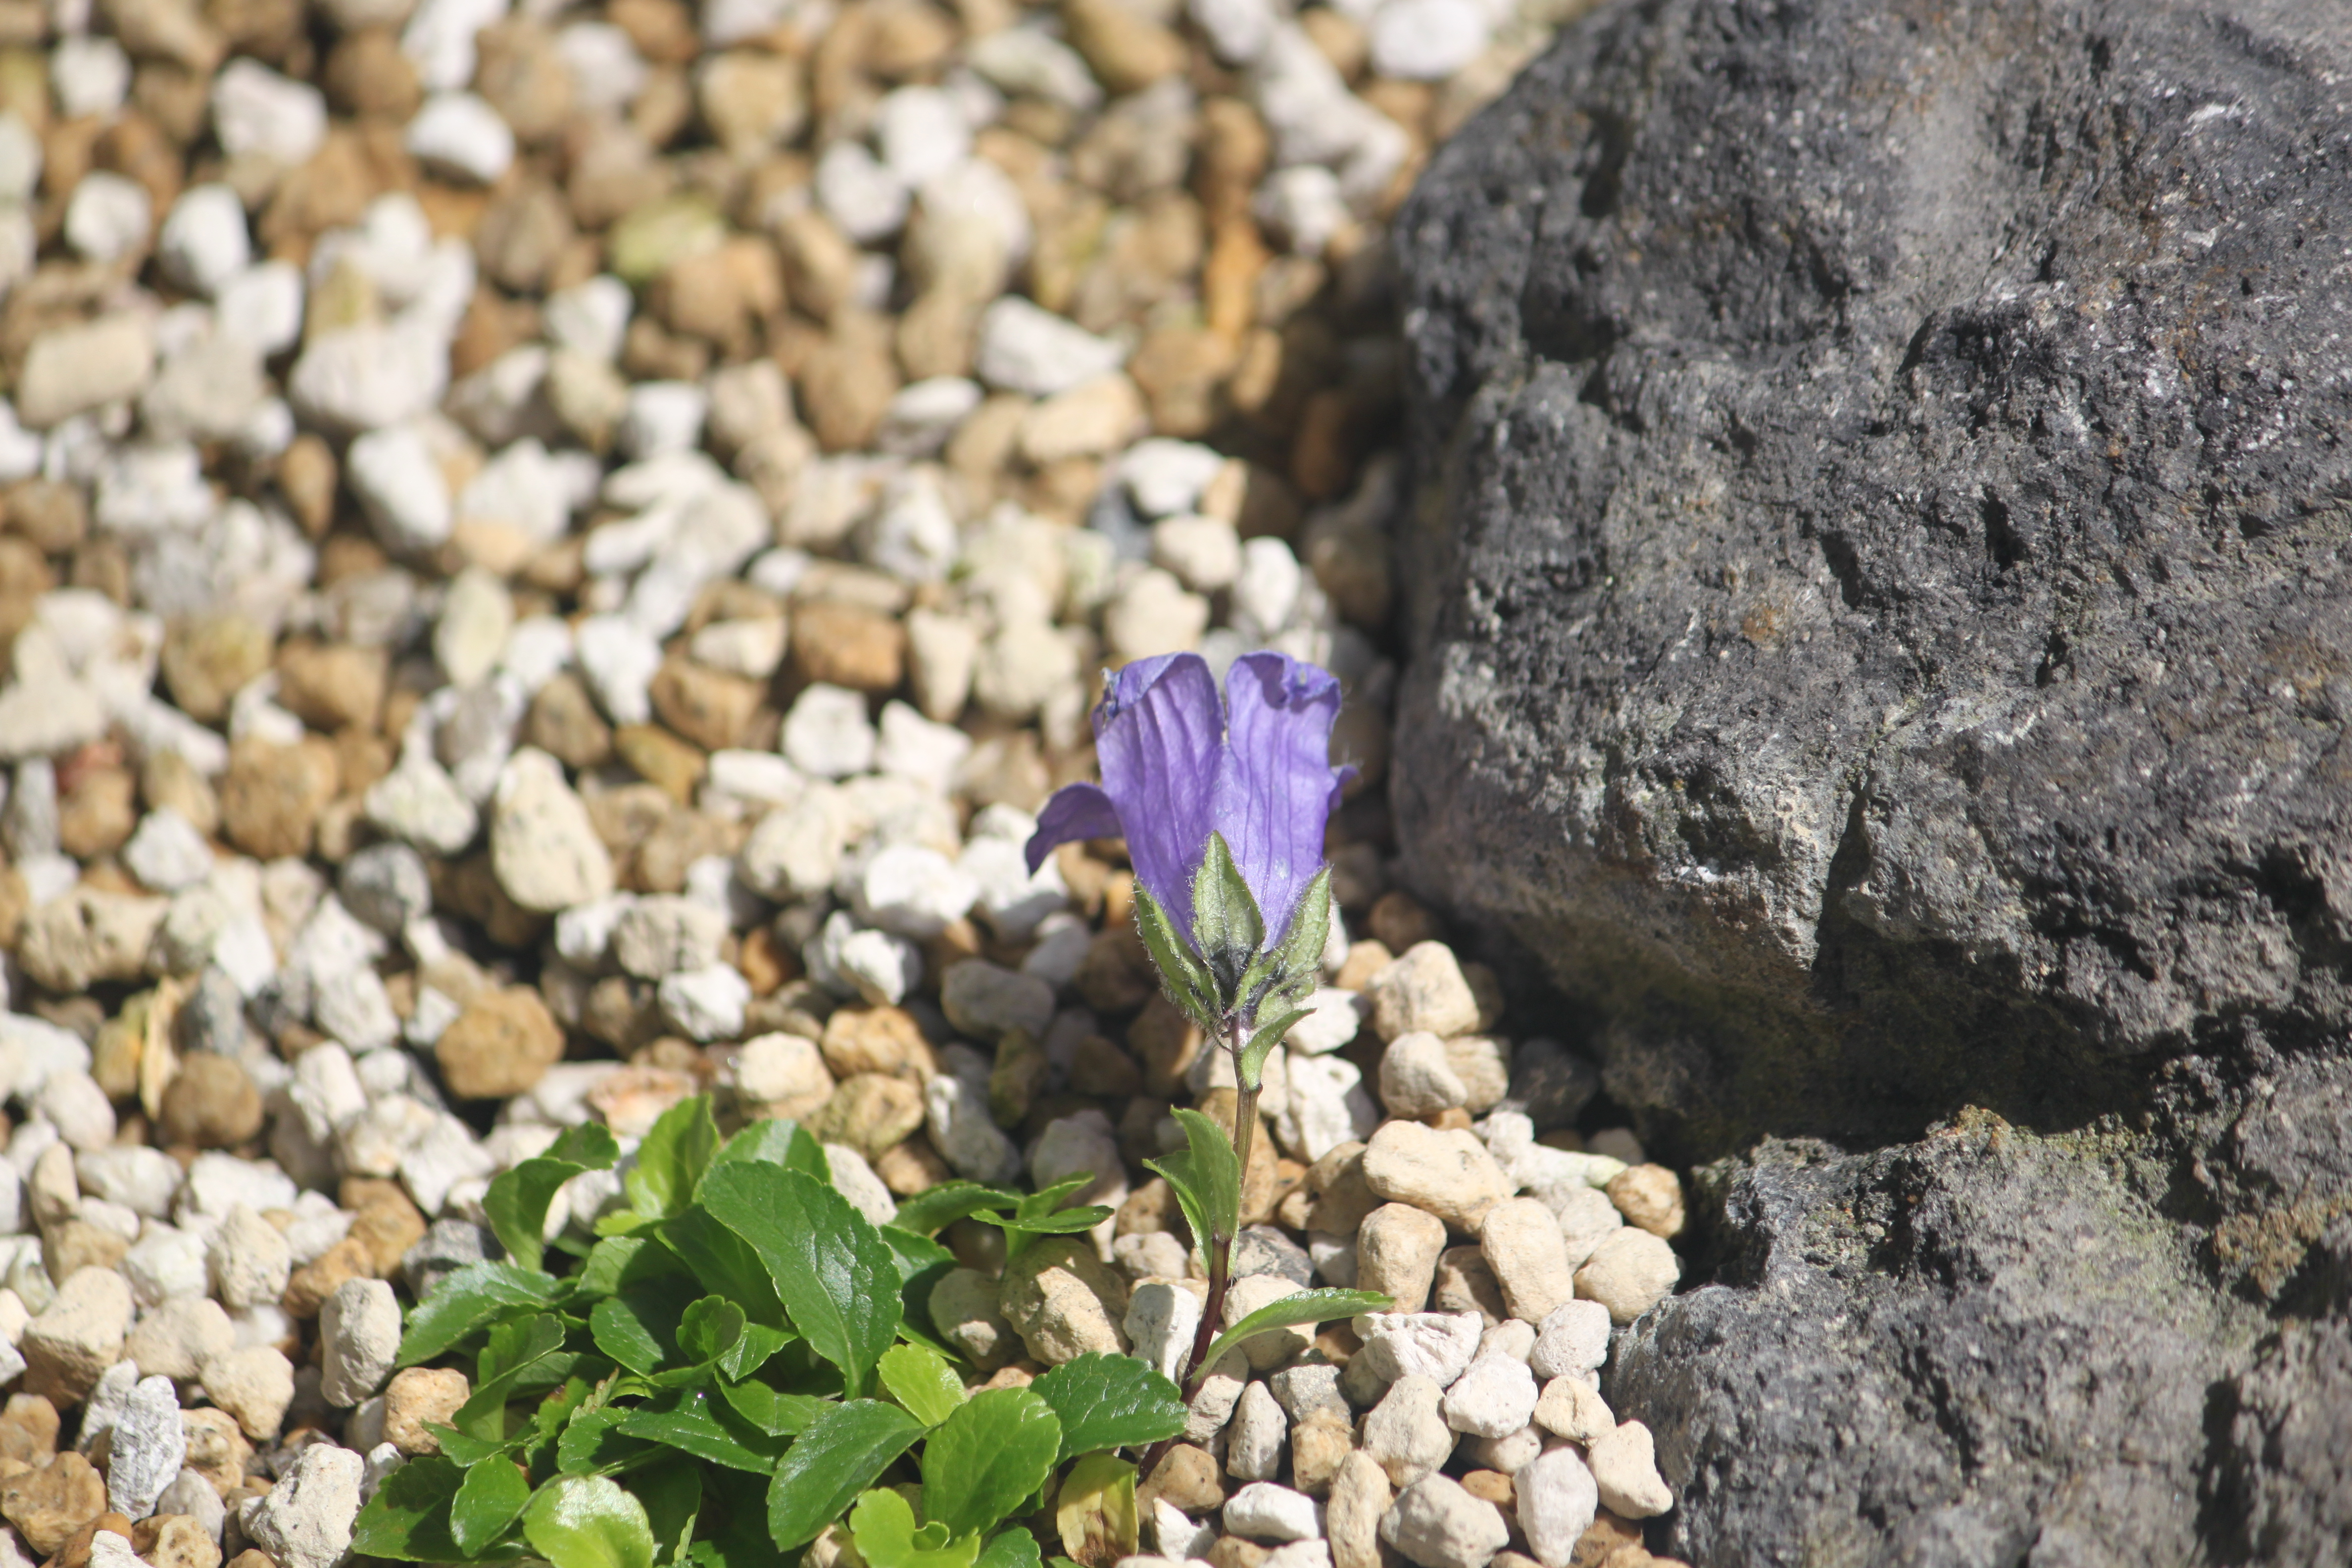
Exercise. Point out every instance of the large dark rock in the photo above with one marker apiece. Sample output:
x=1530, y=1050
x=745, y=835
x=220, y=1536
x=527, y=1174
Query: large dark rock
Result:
x=1879, y=595
x=1879, y=592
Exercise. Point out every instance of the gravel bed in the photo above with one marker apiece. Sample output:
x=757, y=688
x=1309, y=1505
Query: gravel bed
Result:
x=549, y=556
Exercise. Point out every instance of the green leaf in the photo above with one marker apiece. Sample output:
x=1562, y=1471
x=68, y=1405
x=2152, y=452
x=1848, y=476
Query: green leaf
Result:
x=588, y=1521
x=1306, y=1307
x=676, y=1151
x=777, y=1143
x=777, y=1413
x=672, y=1494
x=691, y=1430
x=995, y=1450
x=709, y=1327
x=838, y=1456
x=618, y=1262
x=592, y=1441
x=922, y=1381
x=1110, y=1402
x=883, y=1526
x=639, y=1327
x=1187, y=980
x=408, y=1519
x=1226, y=925
x=1011, y=1548
x=491, y=1497
x=930, y=1212
x=724, y=1263
x=516, y=1203
x=1268, y=1035
x=836, y=1276
x=752, y=1350
x=470, y=1300
x=1207, y=1179
x=519, y=1355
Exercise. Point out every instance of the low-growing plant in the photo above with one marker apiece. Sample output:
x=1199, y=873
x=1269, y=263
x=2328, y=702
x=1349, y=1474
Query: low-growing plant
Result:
x=742, y=1358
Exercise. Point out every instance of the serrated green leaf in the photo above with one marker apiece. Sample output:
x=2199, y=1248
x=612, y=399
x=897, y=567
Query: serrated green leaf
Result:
x=618, y=1262
x=1182, y=975
x=930, y=1212
x=840, y=1455
x=723, y=1262
x=921, y=1380
x=709, y=1327
x=1095, y=1513
x=592, y=1441
x=588, y=1521
x=883, y=1526
x=517, y=1201
x=517, y=1356
x=692, y=1429
x=1110, y=1402
x=1012, y=1547
x=463, y=1449
x=470, y=1300
x=836, y=1276
x=488, y=1500
x=1305, y=1306
x=639, y=1328
x=1226, y=925
x=776, y=1141
x=676, y=1151
x=752, y=1350
x=777, y=1413
x=408, y=1519
x=993, y=1450
x=1253, y=1062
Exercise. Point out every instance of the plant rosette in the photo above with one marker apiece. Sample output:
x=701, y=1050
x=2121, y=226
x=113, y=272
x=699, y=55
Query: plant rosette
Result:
x=741, y=1361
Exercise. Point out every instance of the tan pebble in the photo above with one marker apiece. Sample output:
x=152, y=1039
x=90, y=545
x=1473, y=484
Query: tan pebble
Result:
x=310, y=1285
x=1450, y=1174
x=207, y=659
x=502, y=1045
x=848, y=645
x=1465, y=1284
x=417, y=1398
x=272, y=795
x=1063, y=1301
x=174, y=1541
x=1423, y=990
x=878, y=1040
x=1625, y=1466
x=1650, y=1196
x=211, y=1103
x=96, y=815
x=331, y=685
x=870, y=1112
x=1571, y=1409
x=1396, y=1253
x=48, y=1505
x=28, y=1430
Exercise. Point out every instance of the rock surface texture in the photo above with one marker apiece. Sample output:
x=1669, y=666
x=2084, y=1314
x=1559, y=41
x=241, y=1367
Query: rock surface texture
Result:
x=1878, y=606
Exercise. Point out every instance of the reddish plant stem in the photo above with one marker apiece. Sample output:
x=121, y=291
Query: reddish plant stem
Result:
x=1218, y=1251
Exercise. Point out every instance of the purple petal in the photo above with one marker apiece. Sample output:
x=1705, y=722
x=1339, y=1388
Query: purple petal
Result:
x=1158, y=736
x=1275, y=790
x=1076, y=811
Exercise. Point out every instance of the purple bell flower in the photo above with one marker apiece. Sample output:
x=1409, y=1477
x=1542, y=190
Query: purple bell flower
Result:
x=1178, y=765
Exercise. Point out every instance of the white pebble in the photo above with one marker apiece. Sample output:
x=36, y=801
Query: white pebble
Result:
x=1024, y=348
x=259, y=113
x=1426, y=40
x=826, y=733
x=90, y=74
x=859, y=192
x=109, y=218
x=401, y=489
x=459, y=134
x=1265, y=1511
x=203, y=243
x=167, y=853
x=921, y=133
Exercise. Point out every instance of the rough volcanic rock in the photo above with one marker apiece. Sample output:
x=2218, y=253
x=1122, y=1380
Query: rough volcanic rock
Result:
x=1881, y=623
x=1964, y=1350
x=1877, y=583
